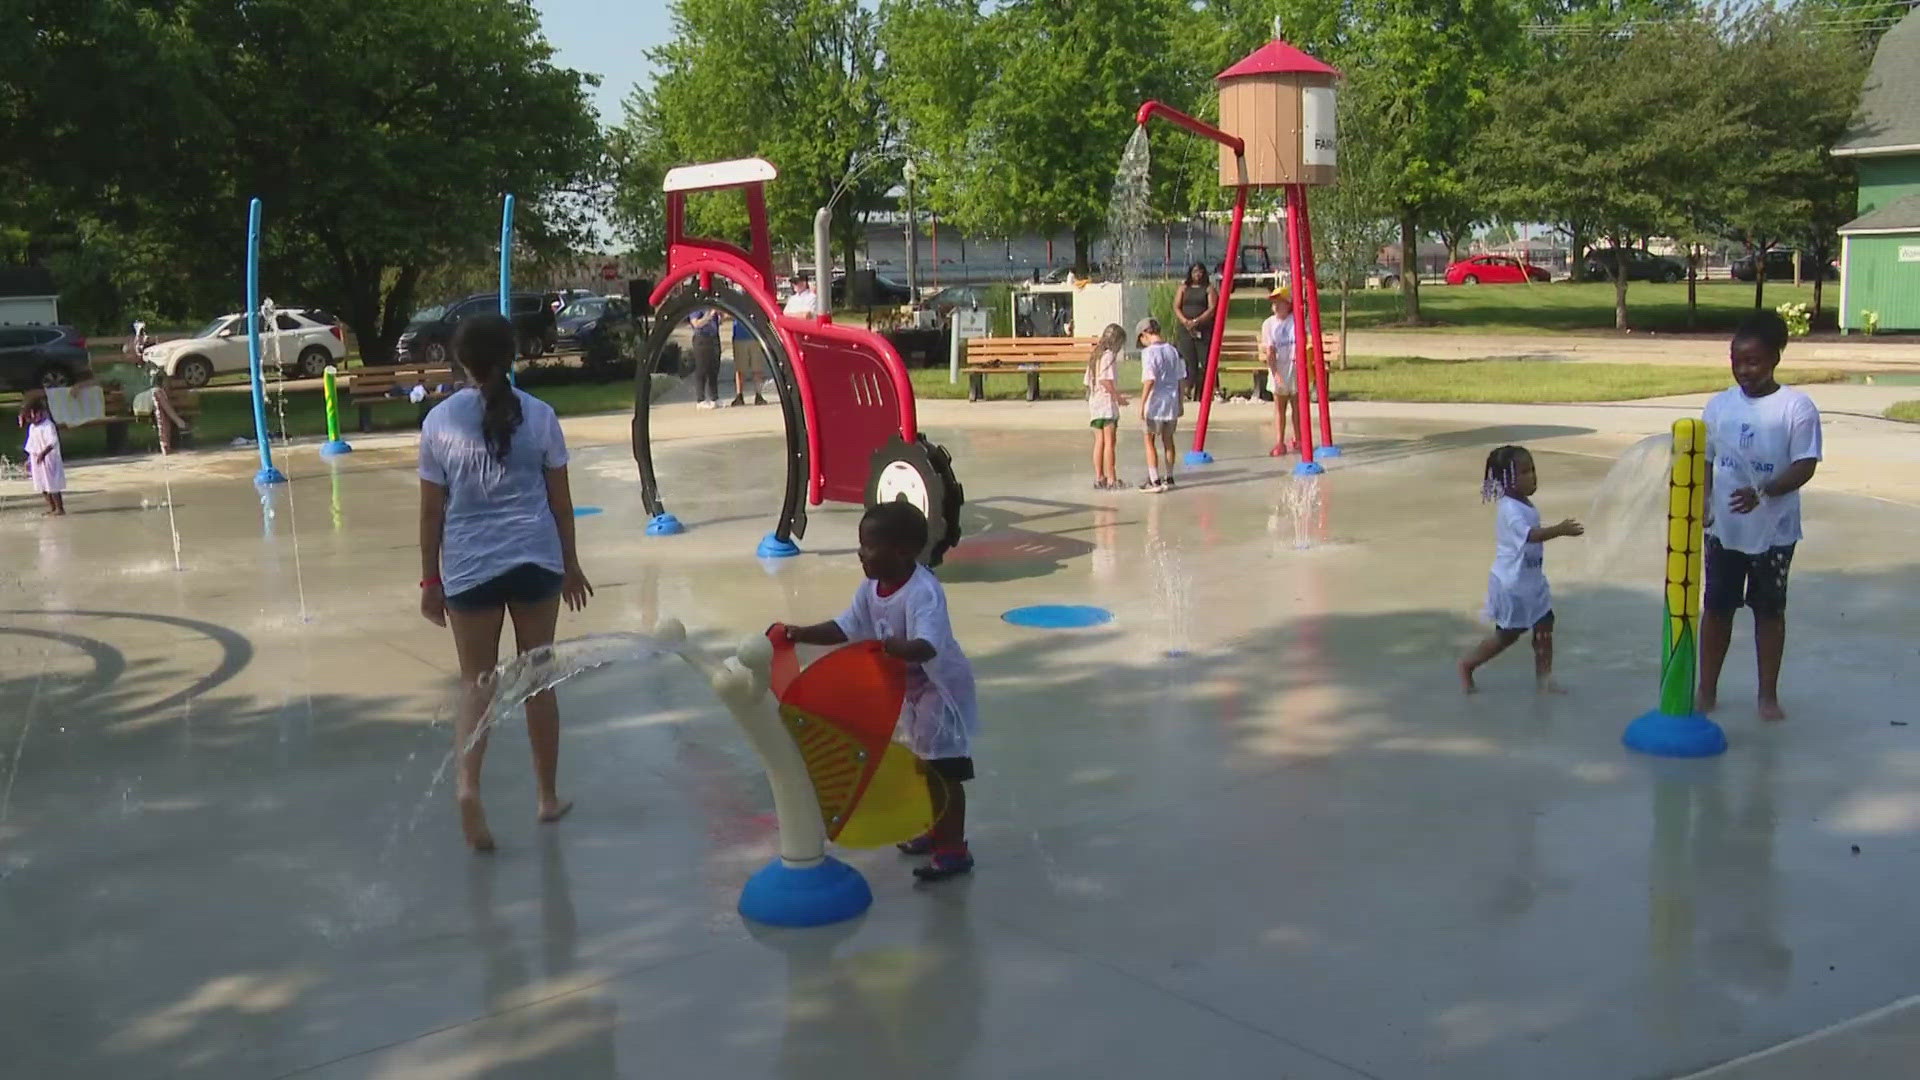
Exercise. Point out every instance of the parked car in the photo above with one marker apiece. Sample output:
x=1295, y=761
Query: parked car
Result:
x=1494, y=270
x=303, y=341
x=1641, y=266
x=1780, y=267
x=599, y=328
x=889, y=293
x=49, y=355
x=426, y=338
x=946, y=300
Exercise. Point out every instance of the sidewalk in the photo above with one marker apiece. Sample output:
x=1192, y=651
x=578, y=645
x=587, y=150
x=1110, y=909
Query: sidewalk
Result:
x=1847, y=354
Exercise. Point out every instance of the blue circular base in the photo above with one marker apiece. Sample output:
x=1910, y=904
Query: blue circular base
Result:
x=269, y=475
x=1198, y=457
x=664, y=524
x=585, y=511
x=1323, y=452
x=1058, y=616
x=830, y=892
x=1307, y=468
x=334, y=448
x=772, y=547
x=1675, y=736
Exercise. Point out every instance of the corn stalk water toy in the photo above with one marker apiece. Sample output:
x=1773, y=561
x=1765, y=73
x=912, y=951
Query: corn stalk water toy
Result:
x=1676, y=729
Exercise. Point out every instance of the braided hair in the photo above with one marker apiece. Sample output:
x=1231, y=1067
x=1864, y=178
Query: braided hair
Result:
x=484, y=345
x=1503, y=466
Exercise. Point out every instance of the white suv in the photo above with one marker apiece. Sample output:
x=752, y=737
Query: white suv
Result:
x=302, y=341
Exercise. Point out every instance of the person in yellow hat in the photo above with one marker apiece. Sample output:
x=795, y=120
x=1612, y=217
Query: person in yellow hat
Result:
x=1276, y=352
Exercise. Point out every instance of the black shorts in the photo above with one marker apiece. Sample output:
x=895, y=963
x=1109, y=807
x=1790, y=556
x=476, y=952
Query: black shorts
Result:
x=950, y=768
x=1544, y=626
x=1758, y=581
x=524, y=584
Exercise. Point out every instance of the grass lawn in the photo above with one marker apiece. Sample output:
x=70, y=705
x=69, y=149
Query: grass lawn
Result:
x=1398, y=378
x=1904, y=410
x=1557, y=307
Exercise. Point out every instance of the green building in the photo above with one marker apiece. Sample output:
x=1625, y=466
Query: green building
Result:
x=1880, y=249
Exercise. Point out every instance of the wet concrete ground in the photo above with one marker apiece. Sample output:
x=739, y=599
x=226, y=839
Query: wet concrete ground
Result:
x=1248, y=829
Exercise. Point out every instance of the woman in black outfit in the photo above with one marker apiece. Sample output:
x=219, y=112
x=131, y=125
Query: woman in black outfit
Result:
x=1194, y=304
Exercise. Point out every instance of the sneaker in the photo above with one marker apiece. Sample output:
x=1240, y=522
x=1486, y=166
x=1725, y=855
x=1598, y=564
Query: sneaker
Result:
x=758, y=400
x=944, y=865
x=1166, y=484
x=1150, y=486
x=736, y=402
x=919, y=845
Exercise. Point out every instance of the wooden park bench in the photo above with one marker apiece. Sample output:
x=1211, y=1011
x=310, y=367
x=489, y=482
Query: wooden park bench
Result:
x=1028, y=356
x=371, y=385
x=1240, y=355
x=117, y=409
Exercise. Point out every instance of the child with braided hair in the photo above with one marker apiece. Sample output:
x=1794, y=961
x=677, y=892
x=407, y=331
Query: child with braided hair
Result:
x=1518, y=598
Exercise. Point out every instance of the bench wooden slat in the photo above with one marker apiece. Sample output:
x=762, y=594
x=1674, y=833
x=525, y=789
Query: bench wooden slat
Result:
x=368, y=386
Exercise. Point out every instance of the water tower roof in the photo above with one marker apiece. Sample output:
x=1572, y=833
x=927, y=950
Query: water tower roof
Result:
x=1276, y=57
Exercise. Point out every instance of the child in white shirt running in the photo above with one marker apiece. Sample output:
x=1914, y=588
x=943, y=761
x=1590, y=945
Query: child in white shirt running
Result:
x=902, y=606
x=1518, y=598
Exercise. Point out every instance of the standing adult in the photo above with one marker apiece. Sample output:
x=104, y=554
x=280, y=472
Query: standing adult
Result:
x=749, y=363
x=706, y=356
x=1195, y=303
x=496, y=541
x=803, y=304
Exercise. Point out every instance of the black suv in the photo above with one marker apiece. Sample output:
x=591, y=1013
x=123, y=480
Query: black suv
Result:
x=1641, y=266
x=43, y=356
x=1780, y=267
x=425, y=339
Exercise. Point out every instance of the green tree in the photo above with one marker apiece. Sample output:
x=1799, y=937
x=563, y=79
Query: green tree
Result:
x=1622, y=131
x=1025, y=109
x=1352, y=220
x=1435, y=62
x=794, y=81
x=1803, y=82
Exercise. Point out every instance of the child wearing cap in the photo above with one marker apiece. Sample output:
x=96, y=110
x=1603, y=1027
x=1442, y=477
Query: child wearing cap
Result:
x=1276, y=352
x=1163, y=376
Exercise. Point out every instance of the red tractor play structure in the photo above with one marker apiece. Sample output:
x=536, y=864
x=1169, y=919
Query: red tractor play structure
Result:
x=851, y=432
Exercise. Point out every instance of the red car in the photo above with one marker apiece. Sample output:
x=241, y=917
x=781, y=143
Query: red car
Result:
x=1494, y=270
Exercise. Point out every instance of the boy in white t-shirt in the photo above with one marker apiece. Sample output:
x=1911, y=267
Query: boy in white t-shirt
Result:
x=1764, y=440
x=902, y=606
x=1277, y=337
x=1163, y=379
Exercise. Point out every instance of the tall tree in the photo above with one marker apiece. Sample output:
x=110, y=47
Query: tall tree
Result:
x=1436, y=61
x=1030, y=135
x=794, y=81
x=1352, y=219
x=1620, y=132
x=1803, y=81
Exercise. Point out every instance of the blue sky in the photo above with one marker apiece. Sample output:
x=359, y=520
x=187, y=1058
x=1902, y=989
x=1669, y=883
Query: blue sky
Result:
x=608, y=39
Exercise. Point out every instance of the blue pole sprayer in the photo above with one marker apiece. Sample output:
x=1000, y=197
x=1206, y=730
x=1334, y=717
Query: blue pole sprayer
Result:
x=267, y=474
x=506, y=267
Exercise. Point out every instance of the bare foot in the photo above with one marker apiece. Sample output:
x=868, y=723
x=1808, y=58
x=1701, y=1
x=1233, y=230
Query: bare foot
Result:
x=473, y=823
x=1705, y=701
x=554, y=811
x=1466, y=679
x=1770, y=709
x=1548, y=686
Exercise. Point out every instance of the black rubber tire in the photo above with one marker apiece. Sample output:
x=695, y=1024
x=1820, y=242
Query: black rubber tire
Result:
x=194, y=371
x=313, y=362
x=941, y=490
x=1470, y=279
x=1671, y=277
x=664, y=356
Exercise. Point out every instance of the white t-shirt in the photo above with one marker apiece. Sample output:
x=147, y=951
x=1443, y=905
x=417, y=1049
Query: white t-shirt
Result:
x=1101, y=404
x=1517, y=592
x=497, y=512
x=1278, y=334
x=1161, y=365
x=939, y=716
x=802, y=304
x=1753, y=440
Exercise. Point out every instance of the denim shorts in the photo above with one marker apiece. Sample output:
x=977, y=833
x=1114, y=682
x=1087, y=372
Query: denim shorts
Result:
x=524, y=584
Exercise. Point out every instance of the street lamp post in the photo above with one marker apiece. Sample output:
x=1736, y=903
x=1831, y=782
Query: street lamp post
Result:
x=912, y=172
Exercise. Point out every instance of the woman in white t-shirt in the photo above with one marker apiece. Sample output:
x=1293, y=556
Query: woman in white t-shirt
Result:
x=1518, y=598
x=496, y=541
x=1103, y=406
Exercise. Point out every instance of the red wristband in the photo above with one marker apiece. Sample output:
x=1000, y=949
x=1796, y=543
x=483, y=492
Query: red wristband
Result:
x=430, y=583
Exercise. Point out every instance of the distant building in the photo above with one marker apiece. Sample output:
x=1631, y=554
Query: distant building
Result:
x=27, y=296
x=1880, y=249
